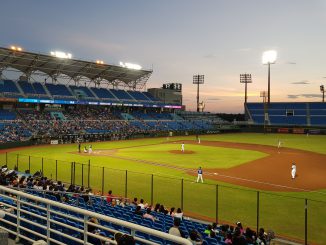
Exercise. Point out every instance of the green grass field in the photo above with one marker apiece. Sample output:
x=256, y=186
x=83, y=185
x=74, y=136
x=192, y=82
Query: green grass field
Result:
x=282, y=212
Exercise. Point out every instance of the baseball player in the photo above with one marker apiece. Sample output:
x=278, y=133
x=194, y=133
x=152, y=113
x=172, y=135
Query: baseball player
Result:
x=183, y=147
x=85, y=149
x=198, y=140
x=90, y=150
x=200, y=175
x=293, y=171
x=279, y=144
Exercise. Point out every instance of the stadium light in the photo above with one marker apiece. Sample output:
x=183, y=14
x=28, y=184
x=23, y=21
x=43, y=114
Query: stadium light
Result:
x=269, y=57
x=100, y=62
x=264, y=94
x=245, y=78
x=130, y=66
x=198, y=79
x=16, y=48
x=60, y=54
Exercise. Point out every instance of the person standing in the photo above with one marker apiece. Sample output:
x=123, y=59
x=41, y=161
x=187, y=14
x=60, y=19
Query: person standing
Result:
x=90, y=150
x=200, y=175
x=293, y=171
x=79, y=146
x=183, y=147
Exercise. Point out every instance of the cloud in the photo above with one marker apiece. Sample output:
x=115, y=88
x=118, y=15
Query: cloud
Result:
x=307, y=96
x=290, y=63
x=293, y=96
x=302, y=82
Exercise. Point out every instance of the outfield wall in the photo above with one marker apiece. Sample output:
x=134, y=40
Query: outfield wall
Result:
x=295, y=218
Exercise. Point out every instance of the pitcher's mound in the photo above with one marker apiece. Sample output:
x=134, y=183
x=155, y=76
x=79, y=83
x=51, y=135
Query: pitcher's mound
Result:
x=180, y=152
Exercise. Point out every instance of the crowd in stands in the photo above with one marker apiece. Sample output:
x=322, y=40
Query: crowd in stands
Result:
x=87, y=120
x=228, y=234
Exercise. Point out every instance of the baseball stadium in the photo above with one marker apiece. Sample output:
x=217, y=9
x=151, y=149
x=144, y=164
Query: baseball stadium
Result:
x=94, y=152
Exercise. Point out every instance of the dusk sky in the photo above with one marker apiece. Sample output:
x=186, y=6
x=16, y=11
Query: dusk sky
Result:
x=180, y=38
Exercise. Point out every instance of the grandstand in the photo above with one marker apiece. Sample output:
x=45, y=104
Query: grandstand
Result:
x=288, y=113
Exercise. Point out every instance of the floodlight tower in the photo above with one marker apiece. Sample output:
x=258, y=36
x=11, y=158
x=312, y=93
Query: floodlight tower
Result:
x=322, y=90
x=264, y=95
x=245, y=78
x=269, y=57
x=198, y=79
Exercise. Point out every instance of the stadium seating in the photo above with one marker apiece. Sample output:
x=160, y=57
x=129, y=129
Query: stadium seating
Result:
x=81, y=92
x=122, y=95
x=58, y=90
x=283, y=113
x=103, y=94
x=8, y=86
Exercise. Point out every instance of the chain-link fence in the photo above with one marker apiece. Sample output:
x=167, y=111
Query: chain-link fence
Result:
x=295, y=218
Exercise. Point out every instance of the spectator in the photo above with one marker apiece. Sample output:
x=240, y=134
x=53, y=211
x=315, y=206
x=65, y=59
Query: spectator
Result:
x=157, y=207
x=109, y=197
x=208, y=229
x=179, y=214
x=195, y=238
x=141, y=204
x=175, y=230
x=148, y=215
x=228, y=239
x=135, y=202
x=138, y=211
x=261, y=237
x=240, y=227
x=238, y=238
x=171, y=213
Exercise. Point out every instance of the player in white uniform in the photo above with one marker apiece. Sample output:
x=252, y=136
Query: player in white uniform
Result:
x=90, y=150
x=200, y=175
x=279, y=144
x=293, y=171
x=85, y=149
x=198, y=140
x=183, y=147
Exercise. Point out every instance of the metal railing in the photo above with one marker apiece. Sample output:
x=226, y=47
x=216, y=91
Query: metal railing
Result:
x=290, y=216
x=22, y=222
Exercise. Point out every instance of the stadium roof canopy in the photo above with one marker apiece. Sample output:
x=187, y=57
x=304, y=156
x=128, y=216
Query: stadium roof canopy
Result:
x=29, y=63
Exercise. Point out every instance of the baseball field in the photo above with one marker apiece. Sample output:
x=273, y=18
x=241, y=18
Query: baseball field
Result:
x=247, y=177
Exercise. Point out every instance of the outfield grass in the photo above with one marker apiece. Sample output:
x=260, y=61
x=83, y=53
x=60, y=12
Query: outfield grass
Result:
x=284, y=214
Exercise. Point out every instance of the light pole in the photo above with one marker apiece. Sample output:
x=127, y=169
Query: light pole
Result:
x=269, y=57
x=322, y=90
x=264, y=94
x=245, y=78
x=198, y=79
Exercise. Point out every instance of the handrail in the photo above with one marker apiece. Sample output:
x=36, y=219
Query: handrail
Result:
x=86, y=214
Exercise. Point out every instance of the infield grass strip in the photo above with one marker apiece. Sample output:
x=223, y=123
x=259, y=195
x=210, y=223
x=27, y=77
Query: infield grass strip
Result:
x=204, y=156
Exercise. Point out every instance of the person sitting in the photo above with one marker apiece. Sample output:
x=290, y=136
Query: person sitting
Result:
x=208, y=229
x=228, y=239
x=138, y=211
x=195, y=238
x=134, y=202
x=109, y=197
x=141, y=204
x=174, y=230
x=148, y=215
x=171, y=213
x=179, y=214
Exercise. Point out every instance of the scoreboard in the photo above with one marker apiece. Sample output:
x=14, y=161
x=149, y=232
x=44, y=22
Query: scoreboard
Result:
x=173, y=86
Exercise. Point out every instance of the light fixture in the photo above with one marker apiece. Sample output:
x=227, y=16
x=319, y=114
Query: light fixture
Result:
x=60, y=54
x=130, y=66
x=269, y=57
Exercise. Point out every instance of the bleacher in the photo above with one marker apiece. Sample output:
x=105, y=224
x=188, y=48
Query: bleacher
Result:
x=58, y=90
x=289, y=113
x=7, y=115
x=80, y=94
